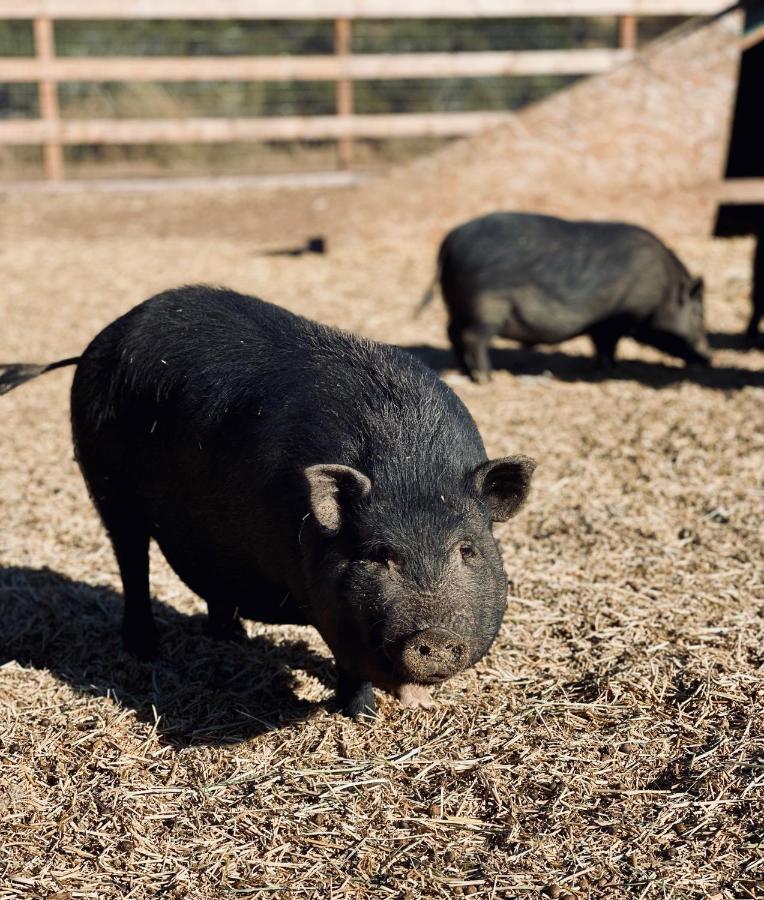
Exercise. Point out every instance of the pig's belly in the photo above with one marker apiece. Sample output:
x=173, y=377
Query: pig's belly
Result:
x=535, y=318
x=230, y=577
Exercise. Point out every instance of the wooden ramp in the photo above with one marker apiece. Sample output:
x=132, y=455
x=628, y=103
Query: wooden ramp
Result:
x=645, y=142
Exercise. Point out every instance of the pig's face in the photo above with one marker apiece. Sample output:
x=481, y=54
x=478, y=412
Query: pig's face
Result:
x=410, y=591
x=678, y=327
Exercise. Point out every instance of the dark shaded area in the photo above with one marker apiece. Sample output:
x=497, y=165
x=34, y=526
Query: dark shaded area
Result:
x=575, y=367
x=203, y=691
x=739, y=220
x=722, y=340
x=745, y=158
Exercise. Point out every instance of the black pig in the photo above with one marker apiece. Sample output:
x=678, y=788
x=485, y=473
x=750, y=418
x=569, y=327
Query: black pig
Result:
x=539, y=279
x=292, y=473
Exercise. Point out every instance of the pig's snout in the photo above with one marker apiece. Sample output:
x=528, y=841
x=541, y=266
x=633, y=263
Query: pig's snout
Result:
x=433, y=654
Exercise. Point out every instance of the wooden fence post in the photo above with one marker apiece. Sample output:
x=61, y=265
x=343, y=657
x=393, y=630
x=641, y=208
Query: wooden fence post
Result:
x=627, y=32
x=344, y=91
x=47, y=92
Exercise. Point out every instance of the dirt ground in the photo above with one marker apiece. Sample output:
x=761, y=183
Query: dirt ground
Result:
x=611, y=744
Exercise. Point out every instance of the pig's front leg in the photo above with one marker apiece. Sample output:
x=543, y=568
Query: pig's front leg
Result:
x=355, y=697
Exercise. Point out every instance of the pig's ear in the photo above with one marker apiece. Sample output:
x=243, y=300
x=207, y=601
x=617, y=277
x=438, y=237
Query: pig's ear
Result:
x=504, y=484
x=333, y=490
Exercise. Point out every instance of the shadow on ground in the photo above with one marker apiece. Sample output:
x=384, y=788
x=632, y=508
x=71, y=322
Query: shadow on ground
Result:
x=203, y=691
x=576, y=367
x=722, y=340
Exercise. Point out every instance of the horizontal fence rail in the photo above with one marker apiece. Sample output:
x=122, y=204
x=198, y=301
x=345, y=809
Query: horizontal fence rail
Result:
x=220, y=130
x=315, y=68
x=343, y=67
x=741, y=190
x=352, y=9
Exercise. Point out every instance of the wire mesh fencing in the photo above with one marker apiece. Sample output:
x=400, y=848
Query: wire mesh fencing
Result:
x=178, y=100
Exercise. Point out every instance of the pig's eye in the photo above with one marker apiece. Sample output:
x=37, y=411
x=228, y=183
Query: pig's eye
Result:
x=385, y=556
x=468, y=552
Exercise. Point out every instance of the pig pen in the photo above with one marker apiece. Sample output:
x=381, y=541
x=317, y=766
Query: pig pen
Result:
x=611, y=744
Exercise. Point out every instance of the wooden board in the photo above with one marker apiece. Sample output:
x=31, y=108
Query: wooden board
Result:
x=353, y=9
x=741, y=190
x=314, y=68
x=222, y=130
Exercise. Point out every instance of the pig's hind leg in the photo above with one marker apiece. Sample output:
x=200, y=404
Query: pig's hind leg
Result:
x=130, y=540
x=471, y=345
x=223, y=623
x=605, y=337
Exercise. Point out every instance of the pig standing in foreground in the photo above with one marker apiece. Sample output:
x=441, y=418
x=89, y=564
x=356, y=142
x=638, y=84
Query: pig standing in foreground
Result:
x=292, y=473
x=541, y=280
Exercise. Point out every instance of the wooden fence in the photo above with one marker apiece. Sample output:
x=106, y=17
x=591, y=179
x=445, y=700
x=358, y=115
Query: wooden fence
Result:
x=342, y=67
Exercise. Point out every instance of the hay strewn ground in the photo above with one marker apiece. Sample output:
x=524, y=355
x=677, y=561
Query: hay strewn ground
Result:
x=610, y=746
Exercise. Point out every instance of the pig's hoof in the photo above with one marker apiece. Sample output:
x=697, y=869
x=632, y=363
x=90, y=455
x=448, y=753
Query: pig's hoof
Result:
x=225, y=630
x=480, y=377
x=414, y=696
x=356, y=700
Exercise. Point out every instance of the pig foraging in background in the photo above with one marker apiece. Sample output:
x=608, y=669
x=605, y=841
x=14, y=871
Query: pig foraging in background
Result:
x=539, y=279
x=292, y=473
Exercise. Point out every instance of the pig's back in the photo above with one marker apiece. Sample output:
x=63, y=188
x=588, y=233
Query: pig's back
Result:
x=222, y=400
x=559, y=276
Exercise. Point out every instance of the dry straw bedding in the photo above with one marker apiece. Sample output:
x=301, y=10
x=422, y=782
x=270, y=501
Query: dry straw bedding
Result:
x=611, y=744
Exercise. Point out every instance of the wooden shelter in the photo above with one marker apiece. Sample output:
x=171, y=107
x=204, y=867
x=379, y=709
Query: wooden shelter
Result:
x=743, y=212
